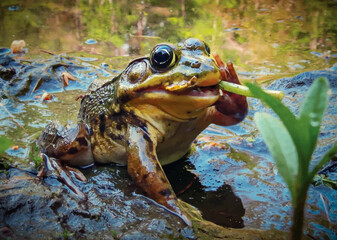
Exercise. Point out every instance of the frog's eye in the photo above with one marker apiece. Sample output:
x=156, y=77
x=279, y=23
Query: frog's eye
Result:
x=162, y=57
x=208, y=50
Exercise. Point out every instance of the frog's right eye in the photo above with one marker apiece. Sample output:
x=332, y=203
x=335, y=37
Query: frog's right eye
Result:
x=162, y=57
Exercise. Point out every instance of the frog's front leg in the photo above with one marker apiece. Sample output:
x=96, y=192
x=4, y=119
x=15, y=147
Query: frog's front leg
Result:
x=62, y=145
x=52, y=166
x=146, y=171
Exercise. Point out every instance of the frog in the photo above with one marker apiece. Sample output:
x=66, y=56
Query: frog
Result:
x=146, y=117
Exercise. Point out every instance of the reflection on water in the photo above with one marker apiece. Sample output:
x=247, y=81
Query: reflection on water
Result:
x=264, y=39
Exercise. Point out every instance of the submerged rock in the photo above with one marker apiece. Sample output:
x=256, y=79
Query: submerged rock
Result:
x=34, y=210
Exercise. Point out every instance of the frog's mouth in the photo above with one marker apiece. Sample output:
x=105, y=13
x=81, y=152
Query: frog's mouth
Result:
x=193, y=87
x=183, y=100
x=197, y=91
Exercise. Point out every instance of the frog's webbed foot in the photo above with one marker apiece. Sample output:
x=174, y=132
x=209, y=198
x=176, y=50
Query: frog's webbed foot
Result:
x=52, y=166
x=146, y=171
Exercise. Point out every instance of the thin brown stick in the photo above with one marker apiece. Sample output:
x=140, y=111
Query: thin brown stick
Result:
x=38, y=81
x=325, y=207
x=45, y=51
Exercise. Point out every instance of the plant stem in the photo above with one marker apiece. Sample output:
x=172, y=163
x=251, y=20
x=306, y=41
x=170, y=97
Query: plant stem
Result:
x=298, y=214
x=243, y=90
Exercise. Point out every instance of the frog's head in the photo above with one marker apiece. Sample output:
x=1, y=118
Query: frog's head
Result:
x=182, y=81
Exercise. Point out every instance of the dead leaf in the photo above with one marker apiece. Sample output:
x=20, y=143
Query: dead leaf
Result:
x=66, y=77
x=15, y=147
x=46, y=96
x=17, y=46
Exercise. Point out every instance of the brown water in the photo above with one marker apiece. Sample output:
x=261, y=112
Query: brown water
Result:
x=266, y=40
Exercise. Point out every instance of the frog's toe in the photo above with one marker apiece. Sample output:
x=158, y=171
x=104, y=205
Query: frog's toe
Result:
x=77, y=173
x=53, y=167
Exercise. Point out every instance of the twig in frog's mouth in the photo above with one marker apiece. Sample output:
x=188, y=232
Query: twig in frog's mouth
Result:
x=196, y=91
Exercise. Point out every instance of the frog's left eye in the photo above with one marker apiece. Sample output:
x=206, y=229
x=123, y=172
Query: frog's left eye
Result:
x=208, y=50
x=162, y=57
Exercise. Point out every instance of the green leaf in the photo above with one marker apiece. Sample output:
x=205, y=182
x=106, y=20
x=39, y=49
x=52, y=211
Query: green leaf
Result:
x=4, y=144
x=327, y=157
x=114, y=234
x=312, y=111
x=300, y=138
x=282, y=111
x=281, y=147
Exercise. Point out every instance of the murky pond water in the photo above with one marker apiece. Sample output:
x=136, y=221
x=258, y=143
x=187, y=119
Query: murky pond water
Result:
x=237, y=183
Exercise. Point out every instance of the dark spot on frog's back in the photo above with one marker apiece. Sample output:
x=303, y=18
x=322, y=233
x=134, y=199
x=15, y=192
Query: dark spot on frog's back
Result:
x=82, y=141
x=116, y=136
x=73, y=150
x=147, y=138
x=163, y=180
x=102, y=123
x=166, y=192
x=145, y=176
x=149, y=143
x=124, y=98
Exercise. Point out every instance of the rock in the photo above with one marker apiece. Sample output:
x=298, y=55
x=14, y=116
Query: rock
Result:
x=30, y=209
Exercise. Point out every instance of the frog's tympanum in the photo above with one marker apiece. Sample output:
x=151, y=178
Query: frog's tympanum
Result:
x=146, y=117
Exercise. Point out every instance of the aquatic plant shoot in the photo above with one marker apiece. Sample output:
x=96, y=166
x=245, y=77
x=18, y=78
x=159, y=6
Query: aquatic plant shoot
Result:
x=292, y=140
x=243, y=90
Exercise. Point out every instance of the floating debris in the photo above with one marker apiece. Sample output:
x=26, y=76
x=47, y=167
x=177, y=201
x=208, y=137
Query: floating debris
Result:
x=17, y=46
x=66, y=77
x=46, y=96
x=15, y=147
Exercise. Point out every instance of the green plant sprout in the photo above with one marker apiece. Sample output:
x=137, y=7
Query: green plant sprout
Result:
x=5, y=143
x=291, y=141
x=34, y=155
x=323, y=179
x=243, y=90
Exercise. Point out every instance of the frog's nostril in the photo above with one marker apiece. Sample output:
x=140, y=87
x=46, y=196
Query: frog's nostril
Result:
x=195, y=64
